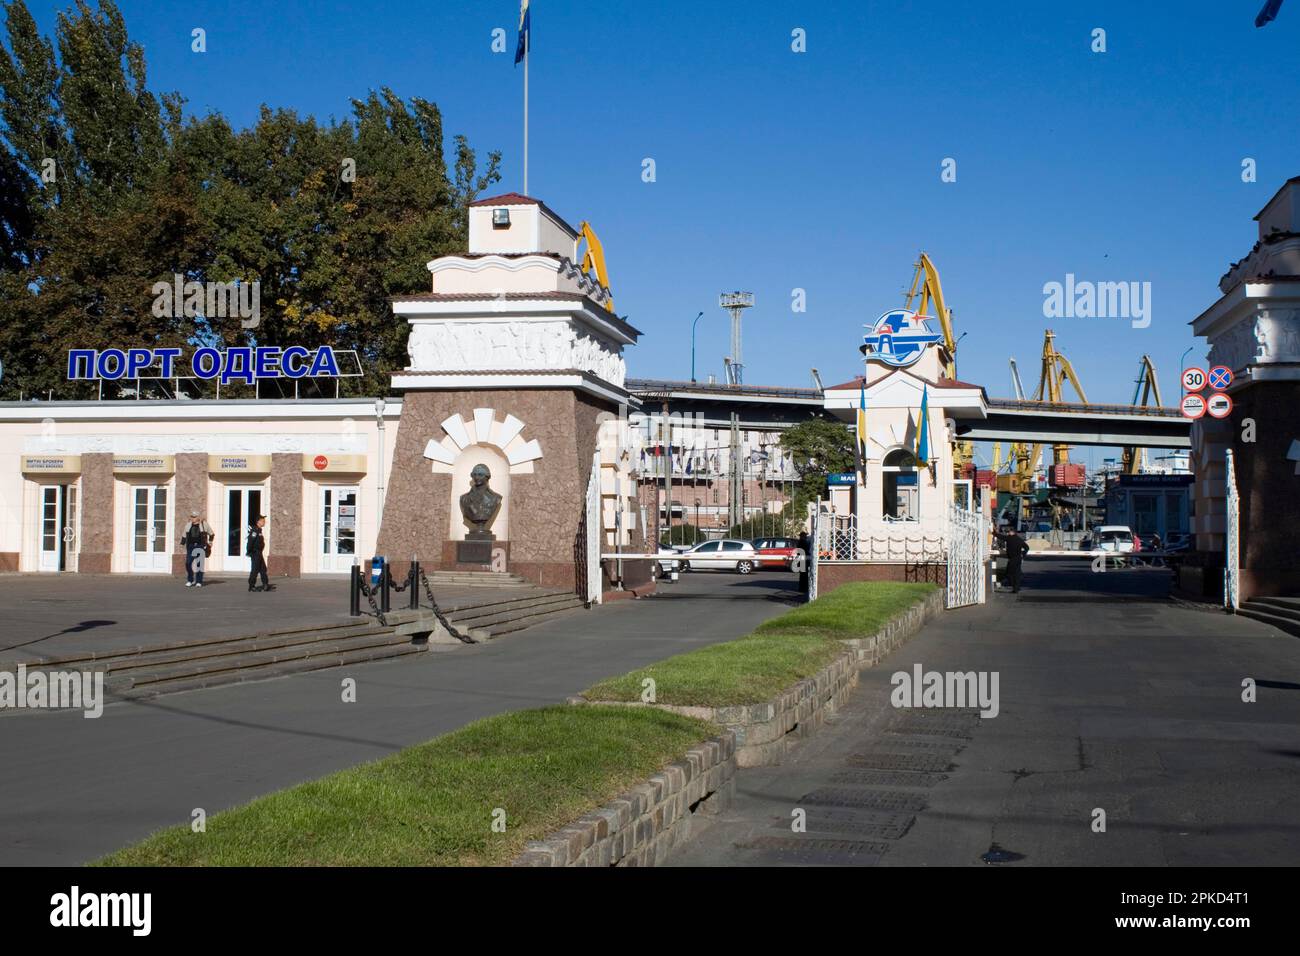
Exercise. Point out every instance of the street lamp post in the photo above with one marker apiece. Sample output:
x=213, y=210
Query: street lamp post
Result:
x=379, y=420
x=1181, y=366
x=693, y=324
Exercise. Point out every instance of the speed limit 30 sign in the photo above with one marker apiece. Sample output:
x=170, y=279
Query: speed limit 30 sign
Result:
x=1193, y=379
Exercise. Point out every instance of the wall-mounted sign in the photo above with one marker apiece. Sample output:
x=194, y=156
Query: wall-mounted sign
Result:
x=232, y=365
x=334, y=464
x=51, y=464
x=842, y=478
x=239, y=464
x=144, y=464
x=898, y=338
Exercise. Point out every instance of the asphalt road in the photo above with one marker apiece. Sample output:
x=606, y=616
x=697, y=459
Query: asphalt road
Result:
x=73, y=789
x=1111, y=698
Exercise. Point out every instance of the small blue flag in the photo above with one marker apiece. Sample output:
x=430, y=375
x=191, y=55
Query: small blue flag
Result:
x=1269, y=13
x=525, y=40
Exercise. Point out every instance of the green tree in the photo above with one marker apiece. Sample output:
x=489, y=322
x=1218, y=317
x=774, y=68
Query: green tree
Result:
x=331, y=219
x=818, y=447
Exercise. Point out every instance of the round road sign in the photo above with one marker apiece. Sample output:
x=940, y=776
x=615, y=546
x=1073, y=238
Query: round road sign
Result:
x=1220, y=377
x=1193, y=405
x=1218, y=405
x=1193, y=379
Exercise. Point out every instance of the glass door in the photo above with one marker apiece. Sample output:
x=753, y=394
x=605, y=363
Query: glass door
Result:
x=243, y=505
x=150, y=546
x=338, y=528
x=51, y=528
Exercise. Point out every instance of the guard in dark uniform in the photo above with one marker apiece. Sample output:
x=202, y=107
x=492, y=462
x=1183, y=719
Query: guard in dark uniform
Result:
x=256, y=555
x=1016, y=548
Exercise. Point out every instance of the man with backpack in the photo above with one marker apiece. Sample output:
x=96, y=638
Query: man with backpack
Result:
x=197, y=543
x=256, y=552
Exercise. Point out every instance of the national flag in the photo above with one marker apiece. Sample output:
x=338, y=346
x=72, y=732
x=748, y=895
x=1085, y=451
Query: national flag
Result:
x=525, y=34
x=862, y=424
x=923, y=429
x=1269, y=13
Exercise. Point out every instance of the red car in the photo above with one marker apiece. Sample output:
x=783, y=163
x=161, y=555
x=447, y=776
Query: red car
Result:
x=775, y=553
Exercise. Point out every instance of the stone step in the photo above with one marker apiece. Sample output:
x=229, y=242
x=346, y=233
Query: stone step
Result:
x=496, y=579
x=269, y=671
x=475, y=615
x=211, y=670
x=82, y=659
x=1267, y=614
x=215, y=650
x=1286, y=606
x=517, y=622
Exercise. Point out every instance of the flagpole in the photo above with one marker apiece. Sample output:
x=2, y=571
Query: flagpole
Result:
x=527, y=45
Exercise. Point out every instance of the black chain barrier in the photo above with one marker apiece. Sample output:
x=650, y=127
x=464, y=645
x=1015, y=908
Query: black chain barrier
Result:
x=437, y=612
x=369, y=592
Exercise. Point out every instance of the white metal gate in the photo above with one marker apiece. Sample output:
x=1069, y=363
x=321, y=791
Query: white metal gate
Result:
x=1232, y=539
x=965, y=560
x=594, y=534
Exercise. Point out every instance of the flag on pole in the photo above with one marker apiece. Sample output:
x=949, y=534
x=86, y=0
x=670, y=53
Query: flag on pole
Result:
x=1269, y=13
x=525, y=40
x=923, y=429
x=862, y=424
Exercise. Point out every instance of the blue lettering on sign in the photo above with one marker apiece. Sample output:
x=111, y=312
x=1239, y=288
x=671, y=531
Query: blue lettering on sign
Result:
x=234, y=364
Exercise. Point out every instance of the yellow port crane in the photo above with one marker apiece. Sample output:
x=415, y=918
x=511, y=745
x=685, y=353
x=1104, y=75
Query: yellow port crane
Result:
x=1147, y=387
x=593, y=258
x=925, y=282
x=1023, y=460
x=1051, y=388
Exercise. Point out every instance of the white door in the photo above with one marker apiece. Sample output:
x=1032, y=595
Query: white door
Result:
x=243, y=505
x=51, y=528
x=150, y=543
x=338, y=528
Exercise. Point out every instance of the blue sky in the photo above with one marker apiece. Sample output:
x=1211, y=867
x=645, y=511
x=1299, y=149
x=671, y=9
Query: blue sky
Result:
x=821, y=170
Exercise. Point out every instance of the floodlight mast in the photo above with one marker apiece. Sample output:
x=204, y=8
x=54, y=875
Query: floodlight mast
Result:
x=736, y=303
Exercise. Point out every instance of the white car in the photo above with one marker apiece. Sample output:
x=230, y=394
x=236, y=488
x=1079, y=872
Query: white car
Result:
x=727, y=554
x=1113, y=537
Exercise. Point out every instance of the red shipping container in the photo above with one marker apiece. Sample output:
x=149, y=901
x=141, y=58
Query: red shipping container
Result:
x=984, y=478
x=1069, y=475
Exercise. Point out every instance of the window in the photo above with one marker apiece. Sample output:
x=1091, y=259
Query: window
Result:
x=709, y=546
x=901, y=487
x=732, y=546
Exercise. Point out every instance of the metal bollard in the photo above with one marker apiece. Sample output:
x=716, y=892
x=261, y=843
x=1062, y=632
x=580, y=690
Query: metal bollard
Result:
x=412, y=585
x=354, y=591
x=385, y=595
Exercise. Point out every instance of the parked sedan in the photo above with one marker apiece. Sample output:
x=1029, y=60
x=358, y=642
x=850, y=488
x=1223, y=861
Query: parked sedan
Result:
x=776, y=552
x=1114, y=537
x=724, y=555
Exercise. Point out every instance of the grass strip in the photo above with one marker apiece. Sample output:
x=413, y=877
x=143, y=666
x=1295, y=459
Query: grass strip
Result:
x=432, y=804
x=782, y=650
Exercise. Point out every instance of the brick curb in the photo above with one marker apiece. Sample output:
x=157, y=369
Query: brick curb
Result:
x=640, y=827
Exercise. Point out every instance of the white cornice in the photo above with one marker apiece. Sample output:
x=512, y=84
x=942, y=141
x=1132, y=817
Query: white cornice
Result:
x=495, y=380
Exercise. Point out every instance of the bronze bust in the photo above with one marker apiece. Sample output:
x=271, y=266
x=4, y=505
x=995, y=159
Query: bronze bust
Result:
x=480, y=504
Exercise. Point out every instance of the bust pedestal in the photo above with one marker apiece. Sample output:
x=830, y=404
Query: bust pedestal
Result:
x=476, y=553
x=476, y=548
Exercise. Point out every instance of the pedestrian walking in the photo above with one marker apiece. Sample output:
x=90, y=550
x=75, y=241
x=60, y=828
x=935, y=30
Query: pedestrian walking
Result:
x=1016, y=548
x=197, y=544
x=805, y=545
x=256, y=551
